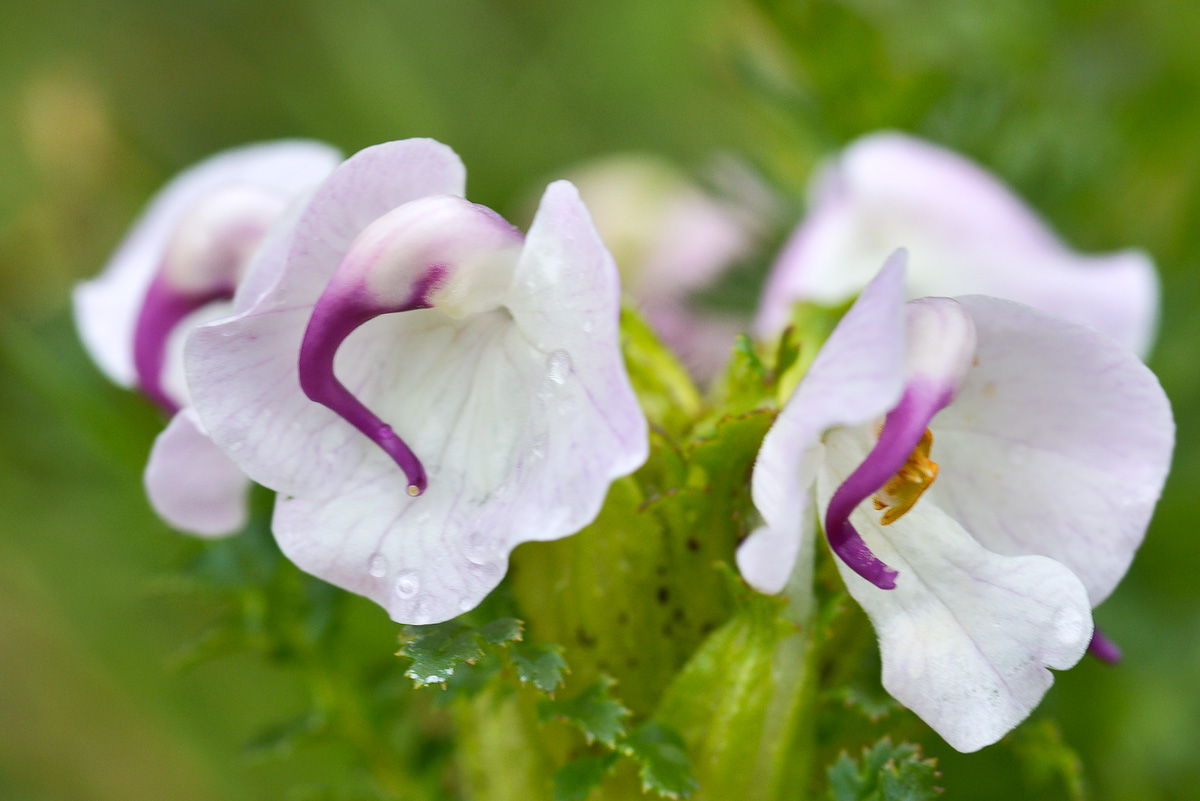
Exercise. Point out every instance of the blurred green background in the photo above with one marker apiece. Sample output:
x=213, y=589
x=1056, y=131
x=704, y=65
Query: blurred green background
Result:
x=1090, y=109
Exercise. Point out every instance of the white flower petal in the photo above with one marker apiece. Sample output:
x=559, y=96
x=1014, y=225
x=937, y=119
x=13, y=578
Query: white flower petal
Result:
x=272, y=422
x=521, y=415
x=858, y=375
x=192, y=484
x=566, y=301
x=366, y=186
x=966, y=233
x=107, y=307
x=967, y=635
x=1058, y=443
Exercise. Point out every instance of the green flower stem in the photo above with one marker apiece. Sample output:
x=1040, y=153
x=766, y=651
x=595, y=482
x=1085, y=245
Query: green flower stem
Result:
x=744, y=703
x=503, y=753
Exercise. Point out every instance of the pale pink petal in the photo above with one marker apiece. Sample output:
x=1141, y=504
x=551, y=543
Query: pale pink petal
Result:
x=193, y=485
x=857, y=377
x=1058, y=443
x=107, y=307
x=566, y=301
x=271, y=422
x=966, y=636
x=966, y=233
x=369, y=184
x=522, y=415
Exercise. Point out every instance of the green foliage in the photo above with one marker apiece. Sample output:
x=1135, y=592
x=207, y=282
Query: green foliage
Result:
x=742, y=705
x=886, y=772
x=538, y=664
x=1047, y=761
x=577, y=779
x=665, y=766
x=437, y=650
x=594, y=711
x=282, y=739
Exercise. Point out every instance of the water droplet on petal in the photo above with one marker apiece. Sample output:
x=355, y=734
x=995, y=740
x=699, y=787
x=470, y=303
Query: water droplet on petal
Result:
x=422, y=518
x=587, y=326
x=465, y=605
x=479, y=548
x=558, y=366
x=407, y=584
x=378, y=566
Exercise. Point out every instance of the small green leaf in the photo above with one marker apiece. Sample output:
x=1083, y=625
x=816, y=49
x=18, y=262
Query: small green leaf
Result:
x=576, y=780
x=666, y=768
x=597, y=714
x=469, y=681
x=788, y=352
x=542, y=666
x=437, y=650
x=501, y=632
x=886, y=772
x=909, y=780
x=743, y=347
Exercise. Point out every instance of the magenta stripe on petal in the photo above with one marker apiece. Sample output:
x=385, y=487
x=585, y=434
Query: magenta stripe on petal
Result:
x=163, y=309
x=902, y=431
x=336, y=315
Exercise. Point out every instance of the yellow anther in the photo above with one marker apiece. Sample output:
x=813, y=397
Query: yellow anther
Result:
x=905, y=488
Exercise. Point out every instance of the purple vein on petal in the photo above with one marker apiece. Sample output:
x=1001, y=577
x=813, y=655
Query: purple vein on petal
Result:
x=336, y=315
x=902, y=431
x=162, y=310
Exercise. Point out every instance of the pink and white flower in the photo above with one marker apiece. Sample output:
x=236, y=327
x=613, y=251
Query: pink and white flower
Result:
x=966, y=233
x=178, y=266
x=1013, y=459
x=425, y=386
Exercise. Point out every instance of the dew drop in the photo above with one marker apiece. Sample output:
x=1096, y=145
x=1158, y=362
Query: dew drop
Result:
x=465, y=605
x=558, y=366
x=587, y=326
x=407, y=584
x=478, y=548
x=235, y=446
x=378, y=566
x=422, y=518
